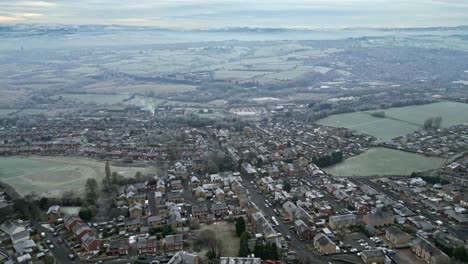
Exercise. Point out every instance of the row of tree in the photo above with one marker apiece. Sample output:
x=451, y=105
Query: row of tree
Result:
x=459, y=253
x=433, y=123
x=266, y=251
x=328, y=160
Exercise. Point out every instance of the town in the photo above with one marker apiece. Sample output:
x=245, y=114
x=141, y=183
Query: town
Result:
x=240, y=191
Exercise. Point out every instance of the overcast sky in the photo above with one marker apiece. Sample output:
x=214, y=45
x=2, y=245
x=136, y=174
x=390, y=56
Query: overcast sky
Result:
x=240, y=13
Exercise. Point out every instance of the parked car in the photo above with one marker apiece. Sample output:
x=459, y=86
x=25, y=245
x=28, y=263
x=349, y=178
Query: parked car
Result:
x=43, y=235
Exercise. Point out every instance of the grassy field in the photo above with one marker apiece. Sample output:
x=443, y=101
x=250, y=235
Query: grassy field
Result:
x=50, y=176
x=241, y=75
x=410, y=119
x=383, y=161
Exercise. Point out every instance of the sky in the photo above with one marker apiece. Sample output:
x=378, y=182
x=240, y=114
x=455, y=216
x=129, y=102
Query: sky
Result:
x=239, y=13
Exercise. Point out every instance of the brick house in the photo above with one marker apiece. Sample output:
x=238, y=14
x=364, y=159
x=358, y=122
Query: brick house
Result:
x=173, y=243
x=118, y=247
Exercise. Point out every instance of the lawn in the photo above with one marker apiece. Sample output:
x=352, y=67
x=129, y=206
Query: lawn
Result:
x=383, y=161
x=51, y=176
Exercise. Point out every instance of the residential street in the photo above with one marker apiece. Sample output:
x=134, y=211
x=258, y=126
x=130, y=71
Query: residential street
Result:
x=298, y=246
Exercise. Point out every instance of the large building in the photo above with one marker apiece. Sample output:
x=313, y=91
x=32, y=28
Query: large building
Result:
x=379, y=218
x=341, y=221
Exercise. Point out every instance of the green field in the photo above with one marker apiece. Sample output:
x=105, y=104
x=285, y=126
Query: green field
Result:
x=409, y=119
x=383, y=161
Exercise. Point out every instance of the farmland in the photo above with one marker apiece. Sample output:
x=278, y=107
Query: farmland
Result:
x=399, y=120
x=383, y=161
x=52, y=176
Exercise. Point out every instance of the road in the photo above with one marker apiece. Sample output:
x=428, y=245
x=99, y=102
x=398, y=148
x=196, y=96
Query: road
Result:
x=297, y=245
x=60, y=251
x=457, y=232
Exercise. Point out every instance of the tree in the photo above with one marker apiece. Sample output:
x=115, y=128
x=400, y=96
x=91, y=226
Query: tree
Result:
x=44, y=203
x=286, y=186
x=207, y=239
x=460, y=253
x=91, y=190
x=240, y=226
x=85, y=213
x=107, y=181
x=432, y=123
x=244, y=244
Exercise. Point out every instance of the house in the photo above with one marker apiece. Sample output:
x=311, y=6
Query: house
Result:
x=80, y=230
x=11, y=228
x=200, y=211
x=219, y=209
x=155, y=221
x=290, y=209
x=91, y=243
x=396, y=236
x=135, y=210
x=183, y=257
x=20, y=236
x=174, y=197
x=136, y=198
x=303, y=231
x=219, y=194
x=132, y=224
x=26, y=246
x=373, y=256
x=379, y=218
x=239, y=260
x=176, y=185
x=324, y=245
x=341, y=221
x=429, y=253
x=118, y=247
x=53, y=213
x=200, y=192
x=147, y=245
x=194, y=182
x=173, y=243
x=71, y=221
x=157, y=198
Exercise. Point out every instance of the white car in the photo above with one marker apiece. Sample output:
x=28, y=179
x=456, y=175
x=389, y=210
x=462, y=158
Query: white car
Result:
x=43, y=235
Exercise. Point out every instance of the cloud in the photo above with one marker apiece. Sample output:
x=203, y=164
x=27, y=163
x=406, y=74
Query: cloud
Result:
x=228, y=13
x=36, y=4
x=6, y=19
x=29, y=15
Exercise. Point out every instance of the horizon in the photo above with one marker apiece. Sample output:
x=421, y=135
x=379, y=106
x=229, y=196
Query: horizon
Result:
x=208, y=14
